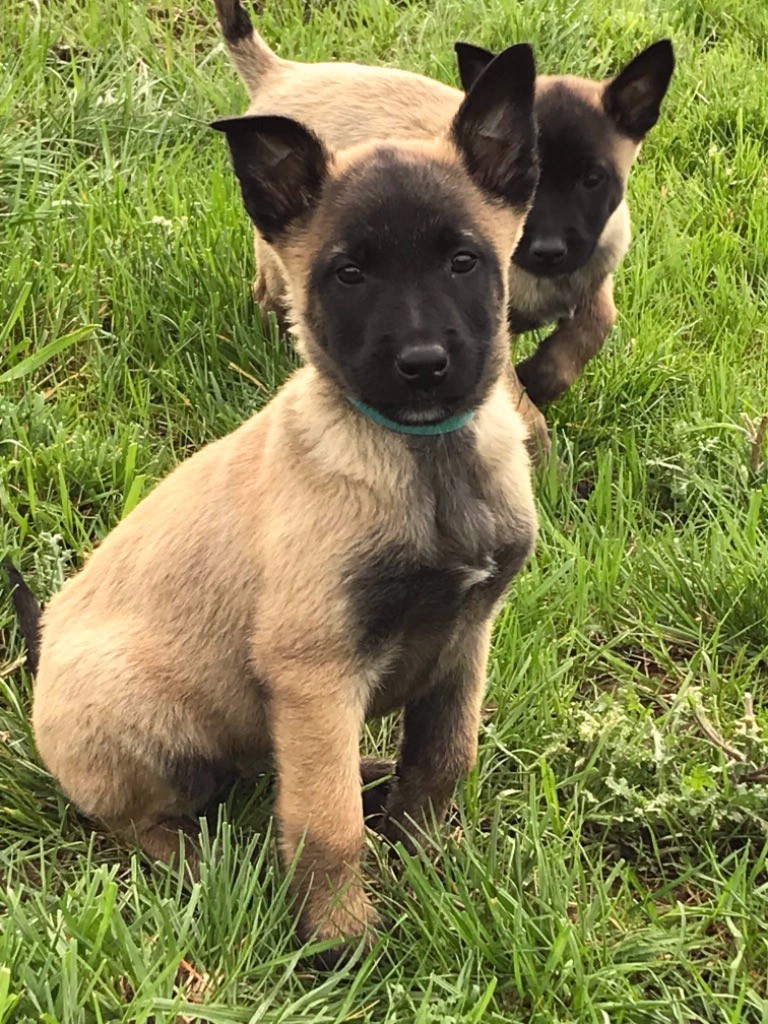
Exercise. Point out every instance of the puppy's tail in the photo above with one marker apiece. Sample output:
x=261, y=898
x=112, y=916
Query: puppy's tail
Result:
x=251, y=55
x=29, y=614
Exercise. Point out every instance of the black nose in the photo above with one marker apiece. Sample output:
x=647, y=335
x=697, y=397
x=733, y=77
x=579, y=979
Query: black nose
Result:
x=548, y=251
x=424, y=364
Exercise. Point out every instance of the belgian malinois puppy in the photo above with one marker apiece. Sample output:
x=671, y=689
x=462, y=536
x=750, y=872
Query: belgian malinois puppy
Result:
x=578, y=230
x=340, y=555
x=344, y=104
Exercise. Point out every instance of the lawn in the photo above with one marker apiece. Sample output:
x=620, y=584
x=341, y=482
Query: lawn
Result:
x=608, y=859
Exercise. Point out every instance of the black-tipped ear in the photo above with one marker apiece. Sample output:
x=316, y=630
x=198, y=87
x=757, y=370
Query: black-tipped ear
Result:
x=495, y=129
x=633, y=98
x=281, y=167
x=472, y=61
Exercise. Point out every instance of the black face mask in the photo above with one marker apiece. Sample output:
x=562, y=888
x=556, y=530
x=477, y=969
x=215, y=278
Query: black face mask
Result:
x=579, y=188
x=405, y=299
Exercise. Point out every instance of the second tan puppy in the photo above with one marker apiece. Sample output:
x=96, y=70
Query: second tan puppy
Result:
x=345, y=104
x=341, y=555
x=579, y=228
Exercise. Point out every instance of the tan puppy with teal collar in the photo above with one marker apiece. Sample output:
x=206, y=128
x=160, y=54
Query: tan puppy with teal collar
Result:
x=343, y=553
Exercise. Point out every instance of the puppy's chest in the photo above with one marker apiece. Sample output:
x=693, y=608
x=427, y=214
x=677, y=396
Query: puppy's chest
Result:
x=535, y=302
x=399, y=598
x=409, y=599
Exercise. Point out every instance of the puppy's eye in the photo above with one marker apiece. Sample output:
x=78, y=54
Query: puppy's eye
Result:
x=350, y=274
x=463, y=262
x=593, y=177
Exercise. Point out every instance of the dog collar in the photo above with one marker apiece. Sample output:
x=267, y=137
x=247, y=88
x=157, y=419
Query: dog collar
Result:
x=447, y=426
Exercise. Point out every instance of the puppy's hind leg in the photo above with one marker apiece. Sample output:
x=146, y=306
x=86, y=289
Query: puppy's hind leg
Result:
x=198, y=782
x=124, y=752
x=269, y=287
x=169, y=840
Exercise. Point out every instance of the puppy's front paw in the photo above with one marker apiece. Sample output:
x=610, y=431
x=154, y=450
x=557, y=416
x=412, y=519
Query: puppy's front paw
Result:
x=415, y=824
x=348, y=917
x=412, y=837
x=544, y=380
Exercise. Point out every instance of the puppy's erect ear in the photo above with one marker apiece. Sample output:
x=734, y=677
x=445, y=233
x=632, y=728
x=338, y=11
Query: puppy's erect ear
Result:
x=281, y=167
x=495, y=130
x=633, y=98
x=472, y=61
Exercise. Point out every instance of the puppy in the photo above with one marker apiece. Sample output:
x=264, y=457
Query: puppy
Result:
x=578, y=230
x=342, y=554
x=344, y=104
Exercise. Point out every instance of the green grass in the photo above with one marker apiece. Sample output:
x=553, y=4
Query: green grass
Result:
x=606, y=861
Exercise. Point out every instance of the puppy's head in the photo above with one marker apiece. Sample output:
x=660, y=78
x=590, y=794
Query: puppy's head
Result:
x=396, y=254
x=589, y=135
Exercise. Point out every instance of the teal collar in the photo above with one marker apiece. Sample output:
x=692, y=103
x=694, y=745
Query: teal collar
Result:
x=421, y=429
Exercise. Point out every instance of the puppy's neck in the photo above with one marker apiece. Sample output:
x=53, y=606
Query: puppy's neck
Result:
x=449, y=425
x=339, y=440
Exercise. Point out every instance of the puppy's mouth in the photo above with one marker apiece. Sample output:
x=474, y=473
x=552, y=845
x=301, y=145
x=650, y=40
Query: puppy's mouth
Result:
x=424, y=413
x=427, y=408
x=422, y=416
